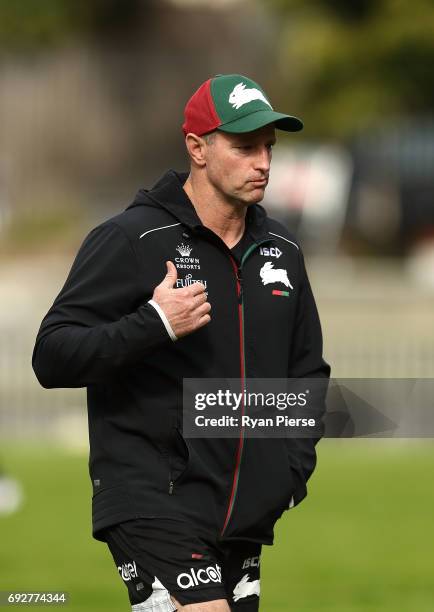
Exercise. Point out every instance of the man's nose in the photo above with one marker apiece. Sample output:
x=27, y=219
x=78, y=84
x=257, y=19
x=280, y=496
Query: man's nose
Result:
x=263, y=159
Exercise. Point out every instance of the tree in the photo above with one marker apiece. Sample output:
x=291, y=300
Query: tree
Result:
x=345, y=66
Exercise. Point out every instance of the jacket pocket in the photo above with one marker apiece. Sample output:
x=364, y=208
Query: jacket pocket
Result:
x=179, y=458
x=265, y=468
x=112, y=503
x=299, y=489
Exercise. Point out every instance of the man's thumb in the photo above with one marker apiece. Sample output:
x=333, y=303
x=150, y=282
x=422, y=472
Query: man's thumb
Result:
x=172, y=274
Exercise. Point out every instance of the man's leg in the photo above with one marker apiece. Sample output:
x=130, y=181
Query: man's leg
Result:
x=241, y=575
x=162, y=561
x=218, y=605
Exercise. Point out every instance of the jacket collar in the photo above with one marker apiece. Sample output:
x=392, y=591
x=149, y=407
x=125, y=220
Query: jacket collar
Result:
x=168, y=192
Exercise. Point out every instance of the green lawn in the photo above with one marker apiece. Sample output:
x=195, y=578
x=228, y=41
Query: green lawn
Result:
x=363, y=540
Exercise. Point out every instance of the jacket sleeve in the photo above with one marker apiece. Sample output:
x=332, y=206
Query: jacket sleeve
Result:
x=306, y=361
x=100, y=321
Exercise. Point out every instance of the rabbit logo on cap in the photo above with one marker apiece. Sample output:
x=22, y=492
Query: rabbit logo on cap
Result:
x=240, y=96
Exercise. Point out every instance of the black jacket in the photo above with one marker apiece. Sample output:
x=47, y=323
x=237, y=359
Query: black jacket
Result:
x=101, y=333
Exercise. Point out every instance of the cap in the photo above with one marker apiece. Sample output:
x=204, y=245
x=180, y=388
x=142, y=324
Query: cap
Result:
x=233, y=103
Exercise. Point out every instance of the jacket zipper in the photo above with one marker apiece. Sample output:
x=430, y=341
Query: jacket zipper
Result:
x=239, y=285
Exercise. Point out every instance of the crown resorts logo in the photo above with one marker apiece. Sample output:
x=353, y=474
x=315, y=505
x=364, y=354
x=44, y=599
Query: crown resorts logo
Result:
x=184, y=249
x=240, y=96
x=185, y=262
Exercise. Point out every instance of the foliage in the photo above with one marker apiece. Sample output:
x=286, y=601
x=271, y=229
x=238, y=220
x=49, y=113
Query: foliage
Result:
x=342, y=66
x=346, y=66
x=26, y=24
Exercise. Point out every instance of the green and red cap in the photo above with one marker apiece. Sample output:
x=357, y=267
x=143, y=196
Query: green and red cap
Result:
x=233, y=103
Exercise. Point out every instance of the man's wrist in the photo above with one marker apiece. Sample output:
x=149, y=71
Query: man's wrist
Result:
x=164, y=319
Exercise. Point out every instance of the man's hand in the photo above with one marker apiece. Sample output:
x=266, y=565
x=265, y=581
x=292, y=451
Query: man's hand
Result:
x=186, y=309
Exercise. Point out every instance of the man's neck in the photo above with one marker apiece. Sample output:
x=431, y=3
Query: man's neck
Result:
x=223, y=218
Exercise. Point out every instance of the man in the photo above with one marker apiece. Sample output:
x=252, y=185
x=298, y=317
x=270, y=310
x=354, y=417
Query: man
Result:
x=173, y=288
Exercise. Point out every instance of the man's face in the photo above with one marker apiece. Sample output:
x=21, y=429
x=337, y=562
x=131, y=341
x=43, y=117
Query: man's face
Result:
x=238, y=165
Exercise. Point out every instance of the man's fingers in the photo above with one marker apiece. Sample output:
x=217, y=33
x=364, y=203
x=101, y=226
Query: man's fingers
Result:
x=186, y=308
x=204, y=320
x=192, y=290
x=196, y=288
x=172, y=274
x=199, y=299
x=203, y=309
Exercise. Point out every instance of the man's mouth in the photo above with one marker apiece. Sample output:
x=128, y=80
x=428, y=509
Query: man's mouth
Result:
x=260, y=182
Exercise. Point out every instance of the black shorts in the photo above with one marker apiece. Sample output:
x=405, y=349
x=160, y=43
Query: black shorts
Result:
x=159, y=557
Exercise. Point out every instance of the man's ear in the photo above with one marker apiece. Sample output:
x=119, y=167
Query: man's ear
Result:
x=196, y=149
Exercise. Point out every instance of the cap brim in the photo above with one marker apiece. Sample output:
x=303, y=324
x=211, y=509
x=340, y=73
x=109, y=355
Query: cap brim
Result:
x=258, y=119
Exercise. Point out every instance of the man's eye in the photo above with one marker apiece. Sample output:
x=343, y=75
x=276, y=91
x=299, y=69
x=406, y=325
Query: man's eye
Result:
x=245, y=147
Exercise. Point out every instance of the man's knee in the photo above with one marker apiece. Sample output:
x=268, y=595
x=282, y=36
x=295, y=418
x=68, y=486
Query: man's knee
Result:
x=216, y=605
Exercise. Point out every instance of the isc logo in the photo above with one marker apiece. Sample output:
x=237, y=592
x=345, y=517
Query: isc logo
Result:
x=270, y=252
x=251, y=562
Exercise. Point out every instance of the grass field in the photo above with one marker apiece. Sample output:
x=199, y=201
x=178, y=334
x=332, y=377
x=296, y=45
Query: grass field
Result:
x=363, y=540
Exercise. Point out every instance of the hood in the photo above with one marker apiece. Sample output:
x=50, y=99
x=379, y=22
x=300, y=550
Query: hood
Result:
x=168, y=193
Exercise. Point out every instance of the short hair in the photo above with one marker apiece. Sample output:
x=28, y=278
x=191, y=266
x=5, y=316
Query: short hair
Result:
x=209, y=137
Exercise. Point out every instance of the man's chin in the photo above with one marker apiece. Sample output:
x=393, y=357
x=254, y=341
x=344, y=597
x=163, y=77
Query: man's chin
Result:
x=256, y=195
